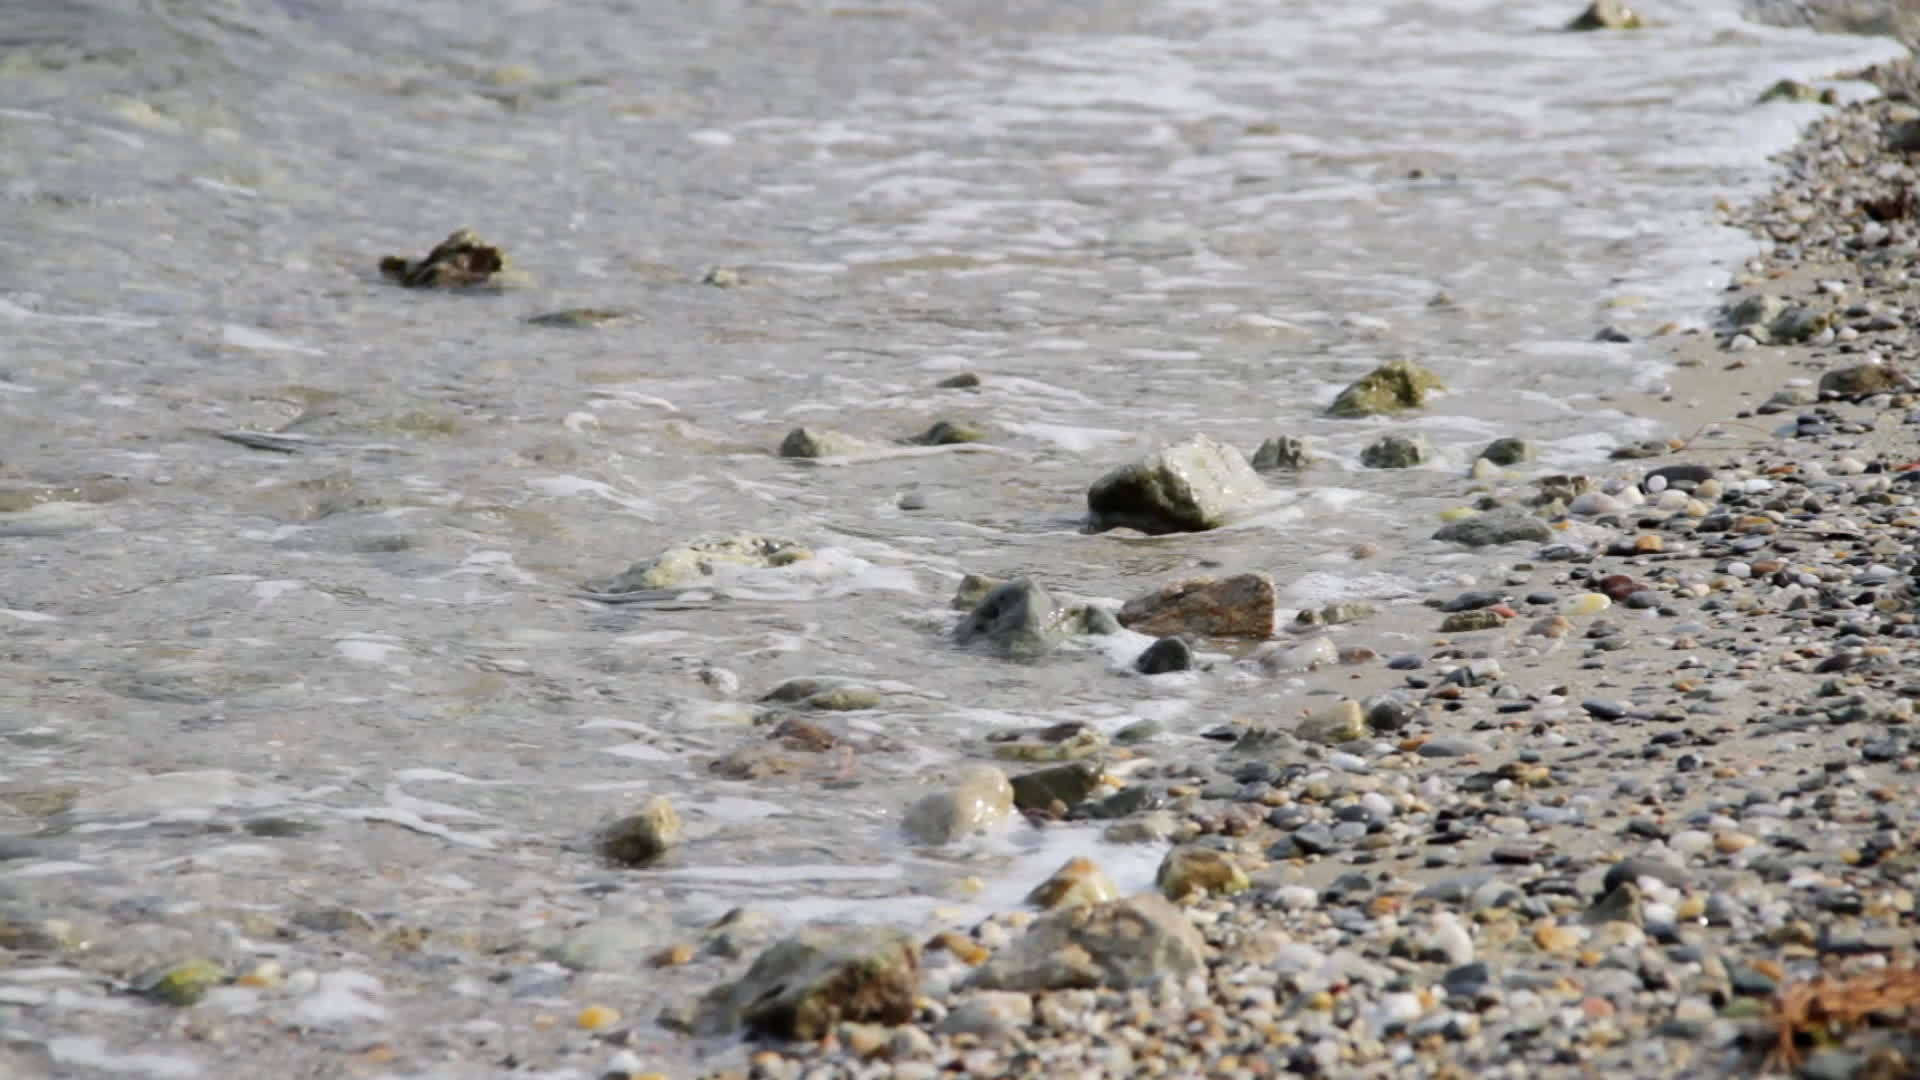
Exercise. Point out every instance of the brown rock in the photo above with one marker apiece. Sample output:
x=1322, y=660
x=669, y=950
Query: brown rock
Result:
x=802, y=987
x=1238, y=606
x=1079, y=883
x=1190, y=870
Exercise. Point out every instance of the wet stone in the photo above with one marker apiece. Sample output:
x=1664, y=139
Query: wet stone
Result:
x=1190, y=487
x=1393, y=387
x=642, y=838
x=1397, y=451
x=1505, y=525
x=1238, y=606
x=462, y=260
x=1165, y=655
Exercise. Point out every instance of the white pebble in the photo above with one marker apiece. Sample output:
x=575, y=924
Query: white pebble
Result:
x=1656, y=484
x=1738, y=569
x=1594, y=502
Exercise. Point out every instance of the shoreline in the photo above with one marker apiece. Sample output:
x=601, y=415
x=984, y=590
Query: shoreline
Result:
x=1740, y=700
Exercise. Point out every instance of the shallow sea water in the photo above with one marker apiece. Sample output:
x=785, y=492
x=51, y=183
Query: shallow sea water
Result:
x=1136, y=221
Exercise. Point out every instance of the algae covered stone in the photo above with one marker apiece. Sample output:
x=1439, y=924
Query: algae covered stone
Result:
x=639, y=839
x=1335, y=724
x=804, y=442
x=184, y=983
x=1393, y=387
x=1189, y=487
x=1502, y=525
x=1397, y=452
x=703, y=558
x=801, y=988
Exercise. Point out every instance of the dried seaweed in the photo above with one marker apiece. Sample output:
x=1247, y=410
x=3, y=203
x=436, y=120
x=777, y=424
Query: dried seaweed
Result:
x=1826, y=1008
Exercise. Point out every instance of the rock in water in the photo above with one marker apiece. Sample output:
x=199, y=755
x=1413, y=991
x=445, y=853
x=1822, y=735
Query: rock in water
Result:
x=459, y=261
x=1397, y=452
x=983, y=798
x=804, y=986
x=1504, y=525
x=703, y=558
x=1018, y=618
x=1505, y=452
x=1117, y=945
x=1167, y=654
x=1239, y=606
x=1395, y=386
x=1606, y=15
x=1191, y=487
x=948, y=433
x=811, y=443
x=1283, y=452
x=639, y=839
x=1079, y=883
x=1068, y=784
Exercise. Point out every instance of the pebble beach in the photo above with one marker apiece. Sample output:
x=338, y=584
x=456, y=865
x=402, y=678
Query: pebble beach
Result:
x=1626, y=789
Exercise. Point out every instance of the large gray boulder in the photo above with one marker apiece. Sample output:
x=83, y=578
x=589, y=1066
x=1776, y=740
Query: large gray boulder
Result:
x=1190, y=487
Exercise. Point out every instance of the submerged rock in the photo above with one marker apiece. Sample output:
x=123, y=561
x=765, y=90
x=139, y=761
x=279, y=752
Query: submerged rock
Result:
x=980, y=800
x=1019, y=618
x=1191, y=487
x=460, y=261
x=804, y=442
x=183, y=983
x=948, y=433
x=703, y=558
x=580, y=318
x=1117, y=945
x=1395, y=386
x=803, y=987
x=1506, y=452
x=1606, y=15
x=1239, y=606
x=1397, y=452
x=1502, y=525
x=641, y=838
x=1283, y=452
x=1165, y=655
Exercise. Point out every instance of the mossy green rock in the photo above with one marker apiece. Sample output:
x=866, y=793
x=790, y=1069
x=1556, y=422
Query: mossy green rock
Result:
x=1019, y=619
x=642, y=838
x=1393, y=387
x=1466, y=622
x=1505, y=452
x=184, y=983
x=1192, y=869
x=803, y=987
x=1070, y=784
x=1334, y=725
x=948, y=433
x=804, y=442
x=1606, y=15
x=1397, y=452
